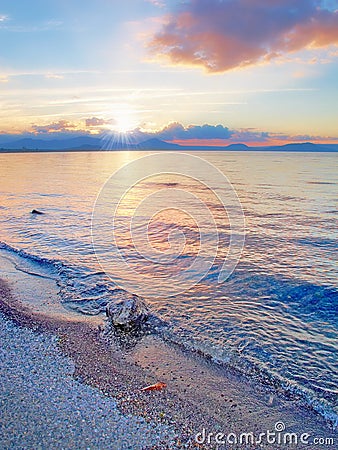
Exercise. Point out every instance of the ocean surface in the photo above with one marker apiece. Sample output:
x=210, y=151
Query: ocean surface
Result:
x=274, y=318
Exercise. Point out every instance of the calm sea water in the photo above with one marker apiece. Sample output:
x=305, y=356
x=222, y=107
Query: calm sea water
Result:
x=275, y=317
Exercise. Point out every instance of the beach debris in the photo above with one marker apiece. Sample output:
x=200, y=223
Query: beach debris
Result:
x=35, y=211
x=271, y=400
x=128, y=313
x=155, y=387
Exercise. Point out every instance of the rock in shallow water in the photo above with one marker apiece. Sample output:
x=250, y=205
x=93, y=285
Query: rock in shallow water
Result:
x=128, y=313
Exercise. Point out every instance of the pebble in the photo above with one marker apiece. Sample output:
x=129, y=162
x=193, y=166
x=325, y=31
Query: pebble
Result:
x=43, y=406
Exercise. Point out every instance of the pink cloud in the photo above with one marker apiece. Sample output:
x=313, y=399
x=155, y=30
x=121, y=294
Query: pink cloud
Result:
x=220, y=35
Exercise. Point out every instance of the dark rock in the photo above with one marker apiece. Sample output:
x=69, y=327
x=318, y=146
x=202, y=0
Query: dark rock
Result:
x=35, y=211
x=128, y=313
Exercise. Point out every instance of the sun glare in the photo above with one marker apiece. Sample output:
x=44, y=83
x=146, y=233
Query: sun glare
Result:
x=119, y=135
x=125, y=121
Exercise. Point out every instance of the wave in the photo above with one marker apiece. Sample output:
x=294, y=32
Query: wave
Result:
x=80, y=289
x=250, y=369
x=87, y=292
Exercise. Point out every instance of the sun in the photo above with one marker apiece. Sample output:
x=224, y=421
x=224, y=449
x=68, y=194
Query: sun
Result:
x=125, y=121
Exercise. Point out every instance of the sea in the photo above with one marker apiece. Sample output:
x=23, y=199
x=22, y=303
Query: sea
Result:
x=273, y=317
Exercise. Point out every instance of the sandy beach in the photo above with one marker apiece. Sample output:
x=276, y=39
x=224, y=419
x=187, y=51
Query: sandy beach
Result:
x=200, y=397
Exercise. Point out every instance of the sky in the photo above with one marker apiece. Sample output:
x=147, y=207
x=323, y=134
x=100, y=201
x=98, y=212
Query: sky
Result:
x=211, y=72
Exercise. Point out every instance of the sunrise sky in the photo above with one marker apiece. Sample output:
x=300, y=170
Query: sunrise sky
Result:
x=195, y=71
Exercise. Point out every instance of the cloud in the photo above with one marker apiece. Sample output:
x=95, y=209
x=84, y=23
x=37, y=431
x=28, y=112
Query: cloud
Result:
x=219, y=135
x=54, y=76
x=3, y=17
x=60, y=126
x=176, y=131
x=221, y=35
x=194, y=135
x=250, y=135
x=95, y=122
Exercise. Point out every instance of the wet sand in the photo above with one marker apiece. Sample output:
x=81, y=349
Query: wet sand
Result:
x=199, y=394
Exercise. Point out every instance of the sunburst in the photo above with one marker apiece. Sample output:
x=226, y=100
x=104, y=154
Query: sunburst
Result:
x=123, y=123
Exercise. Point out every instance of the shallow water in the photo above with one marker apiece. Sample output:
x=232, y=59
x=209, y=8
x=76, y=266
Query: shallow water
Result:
x=277, y=313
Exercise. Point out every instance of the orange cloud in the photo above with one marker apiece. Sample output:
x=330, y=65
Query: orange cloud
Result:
x=223, y=35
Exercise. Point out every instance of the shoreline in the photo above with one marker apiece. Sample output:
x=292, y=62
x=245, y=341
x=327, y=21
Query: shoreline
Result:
x=199, y=394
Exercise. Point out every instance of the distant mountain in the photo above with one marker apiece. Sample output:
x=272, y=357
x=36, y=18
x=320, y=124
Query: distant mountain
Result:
x=157, y=144
x=237, y=147
x=90, y=143
x=53, y=144
x=302, y=147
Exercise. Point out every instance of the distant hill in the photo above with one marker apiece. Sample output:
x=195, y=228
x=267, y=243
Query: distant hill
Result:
x=237, y=147
x=157, y=144
x=302, y=147
x=53, y=144
x=90, y=143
